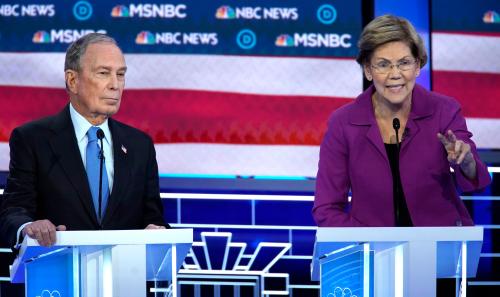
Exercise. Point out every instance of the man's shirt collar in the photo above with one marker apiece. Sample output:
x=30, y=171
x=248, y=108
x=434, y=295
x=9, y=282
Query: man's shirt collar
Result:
x=81, y=125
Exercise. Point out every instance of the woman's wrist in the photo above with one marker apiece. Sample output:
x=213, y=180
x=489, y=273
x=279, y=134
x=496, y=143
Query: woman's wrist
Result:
x=469, y=169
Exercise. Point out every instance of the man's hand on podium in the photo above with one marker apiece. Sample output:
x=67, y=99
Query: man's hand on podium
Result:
x=153, y=226
x=43, y=231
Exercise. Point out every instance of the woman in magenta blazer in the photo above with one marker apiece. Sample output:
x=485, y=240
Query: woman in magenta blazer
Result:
x=404, y=180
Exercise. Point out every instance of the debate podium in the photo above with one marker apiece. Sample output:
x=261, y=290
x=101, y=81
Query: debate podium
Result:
x=394, y=261
x=101, y=263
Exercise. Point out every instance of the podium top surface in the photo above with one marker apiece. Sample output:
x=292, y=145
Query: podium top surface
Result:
x=96, y=240
x=116, y=237
x=397, y=234
x=447, y=240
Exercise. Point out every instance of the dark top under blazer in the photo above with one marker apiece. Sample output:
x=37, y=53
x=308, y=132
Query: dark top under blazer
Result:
x=47, y=179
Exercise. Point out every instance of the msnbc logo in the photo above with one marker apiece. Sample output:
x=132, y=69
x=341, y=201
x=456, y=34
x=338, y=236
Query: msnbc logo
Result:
x=319, y=40
x=41, y=37
x=120, y=11
x=145, y=37
x=491, y=17
x=148, y=10
x=284, y=40
x=225, y=12
x=62, y=35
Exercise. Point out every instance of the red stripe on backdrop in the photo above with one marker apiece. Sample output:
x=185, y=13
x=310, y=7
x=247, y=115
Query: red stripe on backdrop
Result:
x=479, y=93
x=19, y=105
x=470, y=33
x=180, y=116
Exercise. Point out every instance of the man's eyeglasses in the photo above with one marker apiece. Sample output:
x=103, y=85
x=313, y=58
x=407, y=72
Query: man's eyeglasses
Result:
x=385, y=67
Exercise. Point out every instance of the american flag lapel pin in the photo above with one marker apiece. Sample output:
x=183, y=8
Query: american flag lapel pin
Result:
x=124, y=149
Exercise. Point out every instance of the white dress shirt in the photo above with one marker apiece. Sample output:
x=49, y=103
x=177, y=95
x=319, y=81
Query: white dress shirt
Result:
x=81, y=126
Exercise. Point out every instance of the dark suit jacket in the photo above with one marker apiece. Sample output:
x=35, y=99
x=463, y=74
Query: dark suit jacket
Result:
x=47, y=179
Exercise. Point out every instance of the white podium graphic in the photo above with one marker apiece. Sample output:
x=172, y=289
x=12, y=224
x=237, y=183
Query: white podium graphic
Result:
x=400, y=261
x=102, y=263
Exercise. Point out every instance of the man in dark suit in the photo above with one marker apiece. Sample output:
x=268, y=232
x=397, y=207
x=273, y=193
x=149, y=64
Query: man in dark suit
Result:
x=54, y=174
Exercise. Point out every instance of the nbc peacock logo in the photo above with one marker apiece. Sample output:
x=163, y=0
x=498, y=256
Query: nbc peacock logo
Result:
x=145, y=37
x=225, y=12
x=284, y=40
x=491, y=17
x=120, y=11
x=41, y=37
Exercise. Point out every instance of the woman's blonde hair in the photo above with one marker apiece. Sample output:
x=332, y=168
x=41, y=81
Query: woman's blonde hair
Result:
x=389, y=28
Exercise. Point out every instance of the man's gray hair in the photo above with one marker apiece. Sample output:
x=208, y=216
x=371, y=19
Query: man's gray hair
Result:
x=77, y=49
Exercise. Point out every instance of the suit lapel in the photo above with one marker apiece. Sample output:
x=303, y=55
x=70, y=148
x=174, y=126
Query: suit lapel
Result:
x=363, y=115
x=422, y=108
x=121, y=170
x=375, y=138
x=65, y=147
x=411, y=130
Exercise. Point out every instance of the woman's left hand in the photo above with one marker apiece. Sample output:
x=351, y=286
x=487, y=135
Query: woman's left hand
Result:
x=459, y=153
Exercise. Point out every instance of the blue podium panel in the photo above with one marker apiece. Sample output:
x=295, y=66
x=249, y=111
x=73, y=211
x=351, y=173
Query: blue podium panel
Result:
x=53, y=275
x=101, y=263
x=392, y=262
x=348, y=272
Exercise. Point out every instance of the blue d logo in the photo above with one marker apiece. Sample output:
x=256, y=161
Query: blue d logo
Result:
x=246, y=39
x=326, y=14
x=82, y=10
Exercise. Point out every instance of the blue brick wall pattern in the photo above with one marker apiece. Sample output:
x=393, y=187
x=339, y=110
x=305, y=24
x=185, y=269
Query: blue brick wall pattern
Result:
x=270, y=217
x=290, y=221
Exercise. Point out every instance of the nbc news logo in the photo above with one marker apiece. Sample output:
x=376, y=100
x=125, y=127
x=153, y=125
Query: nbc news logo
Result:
x=226, y=12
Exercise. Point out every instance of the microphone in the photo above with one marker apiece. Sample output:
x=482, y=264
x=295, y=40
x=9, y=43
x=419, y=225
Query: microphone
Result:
x=100, y=133
x=100, y=136
x=396, y=125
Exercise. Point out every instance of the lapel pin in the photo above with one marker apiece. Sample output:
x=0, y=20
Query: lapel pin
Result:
x=124, y=149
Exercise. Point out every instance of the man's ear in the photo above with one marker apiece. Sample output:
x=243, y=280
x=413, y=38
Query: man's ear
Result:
x=71, y=78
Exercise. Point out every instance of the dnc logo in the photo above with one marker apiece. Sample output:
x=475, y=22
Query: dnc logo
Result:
x=145, y=37
x=120, y=11
x=225, y=12
x=246, y=39
x=82, y=10
x=326, y=14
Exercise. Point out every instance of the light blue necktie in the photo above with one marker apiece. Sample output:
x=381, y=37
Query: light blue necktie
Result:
x=92, y=156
